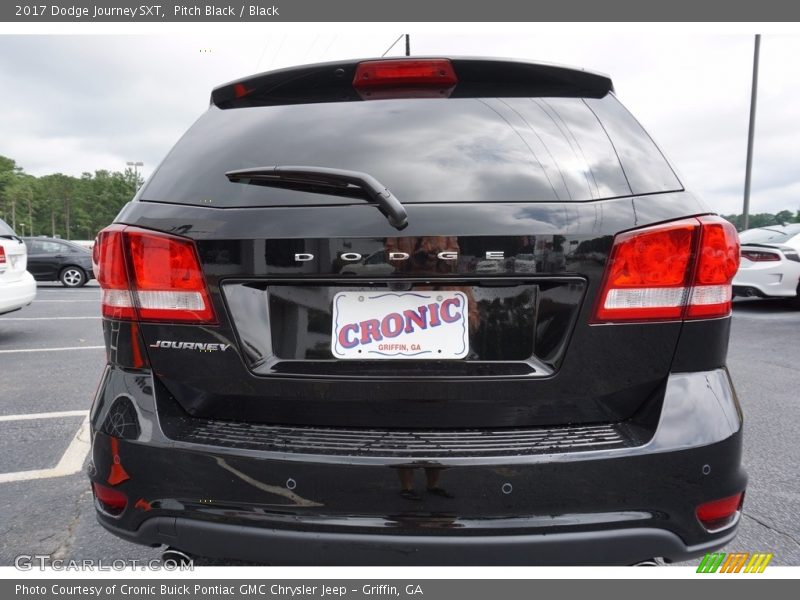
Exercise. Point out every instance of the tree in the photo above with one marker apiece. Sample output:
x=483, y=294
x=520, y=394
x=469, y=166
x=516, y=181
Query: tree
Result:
x=9, y=171
x=764, y=219
x=62, y=205
x=19, y=193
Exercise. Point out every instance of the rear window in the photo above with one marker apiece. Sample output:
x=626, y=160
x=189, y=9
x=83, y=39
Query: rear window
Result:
x=769, y=235
x=423, y=150
x=47, y=247
x=5, y=229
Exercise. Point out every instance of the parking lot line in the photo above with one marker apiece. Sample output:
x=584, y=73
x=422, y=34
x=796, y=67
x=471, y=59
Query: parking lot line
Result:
x=71, y=461
x=45, y=318
x=47, y=415
x=51, y=349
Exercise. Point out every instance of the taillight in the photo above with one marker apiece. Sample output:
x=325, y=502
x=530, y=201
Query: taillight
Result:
x=671, y=271
x=757, y=256
x=111, y=271
x=151, y=276
x=720, y=513
x=376, y=79
x=167, y=278
x=717, y=263
x=2, y=255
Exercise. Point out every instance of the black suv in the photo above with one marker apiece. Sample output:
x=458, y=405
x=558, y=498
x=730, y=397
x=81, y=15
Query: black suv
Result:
x=52, y=259
x=430, y=311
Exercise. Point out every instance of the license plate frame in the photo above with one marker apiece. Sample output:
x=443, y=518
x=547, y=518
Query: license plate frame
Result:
x=413, y=325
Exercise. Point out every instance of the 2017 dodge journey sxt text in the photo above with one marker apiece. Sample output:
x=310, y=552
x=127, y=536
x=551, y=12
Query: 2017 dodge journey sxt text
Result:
x=428, y=311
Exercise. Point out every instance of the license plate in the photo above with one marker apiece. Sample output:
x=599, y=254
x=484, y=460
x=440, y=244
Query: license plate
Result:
x=400, y=325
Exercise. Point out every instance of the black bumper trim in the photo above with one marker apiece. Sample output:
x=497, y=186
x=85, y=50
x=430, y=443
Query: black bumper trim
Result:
x=285, y=547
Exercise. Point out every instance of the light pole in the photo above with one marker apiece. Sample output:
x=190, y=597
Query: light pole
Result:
x=135, y=166
x=750, y=133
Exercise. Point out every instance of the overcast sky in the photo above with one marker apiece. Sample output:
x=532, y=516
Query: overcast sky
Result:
x=72, y=104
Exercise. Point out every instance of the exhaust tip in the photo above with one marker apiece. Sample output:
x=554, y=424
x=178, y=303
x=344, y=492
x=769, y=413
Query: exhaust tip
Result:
x=177, y=558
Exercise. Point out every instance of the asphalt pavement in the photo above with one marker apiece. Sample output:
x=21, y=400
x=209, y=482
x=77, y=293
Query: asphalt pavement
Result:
x=52, y=356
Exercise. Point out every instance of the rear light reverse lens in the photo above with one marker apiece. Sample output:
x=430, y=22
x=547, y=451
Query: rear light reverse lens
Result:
x=152, y=275
x=720, y=513
x=672, y=271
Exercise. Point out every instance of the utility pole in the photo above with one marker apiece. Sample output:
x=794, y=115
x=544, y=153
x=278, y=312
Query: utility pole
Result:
x=408, y=45
x=135, y=166
x=750, y=135
x=66, y=216
x=30, y=210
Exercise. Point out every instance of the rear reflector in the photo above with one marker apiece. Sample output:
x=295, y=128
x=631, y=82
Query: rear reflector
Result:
x=672, y=271
x=720, y=513
x=151, y=276
x=756, y=256
x=376, y=79
x=111, y=501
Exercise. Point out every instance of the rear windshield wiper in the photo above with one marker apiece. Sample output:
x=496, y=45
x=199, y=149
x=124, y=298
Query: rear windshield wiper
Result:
x=317, y=179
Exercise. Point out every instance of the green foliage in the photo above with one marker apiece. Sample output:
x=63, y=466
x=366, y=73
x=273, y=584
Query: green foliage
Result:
x=764, y=219
x=69, y=207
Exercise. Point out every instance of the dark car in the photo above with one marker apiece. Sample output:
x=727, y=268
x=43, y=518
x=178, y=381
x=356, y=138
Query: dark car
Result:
x=264, y=400
x=52, y=259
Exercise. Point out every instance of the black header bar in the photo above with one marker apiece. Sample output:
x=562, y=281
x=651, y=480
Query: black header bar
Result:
x=121, y=11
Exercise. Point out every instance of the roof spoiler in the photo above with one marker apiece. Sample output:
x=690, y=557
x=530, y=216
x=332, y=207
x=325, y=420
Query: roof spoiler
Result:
x=477, y=77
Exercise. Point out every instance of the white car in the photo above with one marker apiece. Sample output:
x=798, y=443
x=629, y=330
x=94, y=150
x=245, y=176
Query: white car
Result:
x=770, y=263
x=17, y=286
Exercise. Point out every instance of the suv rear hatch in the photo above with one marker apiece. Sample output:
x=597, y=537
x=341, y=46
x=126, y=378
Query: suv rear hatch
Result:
x=515, y=180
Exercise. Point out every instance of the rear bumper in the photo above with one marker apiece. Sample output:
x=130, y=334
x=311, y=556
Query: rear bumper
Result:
x=17, y=294
x=772, y=279
x=240, y=542
x=602, y=506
